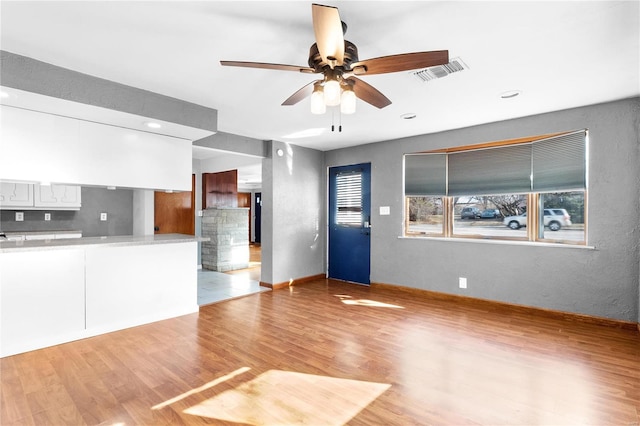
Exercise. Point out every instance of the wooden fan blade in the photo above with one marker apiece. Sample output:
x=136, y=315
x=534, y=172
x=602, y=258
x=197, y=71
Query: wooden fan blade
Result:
x=402, y=62
x=268, y=66
x=368, y=93
x=328, y=30
x=304, y=92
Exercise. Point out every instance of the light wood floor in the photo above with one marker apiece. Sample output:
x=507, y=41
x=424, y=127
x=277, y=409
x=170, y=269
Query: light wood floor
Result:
x=326, y=353
x=253, y=272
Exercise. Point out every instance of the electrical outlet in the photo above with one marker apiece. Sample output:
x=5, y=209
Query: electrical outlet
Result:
x=463, y=282
x=47, y=216
x=103, y=217
x=19, y=216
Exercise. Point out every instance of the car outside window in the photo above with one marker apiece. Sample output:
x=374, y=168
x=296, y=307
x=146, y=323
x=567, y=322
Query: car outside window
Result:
x=486, y=220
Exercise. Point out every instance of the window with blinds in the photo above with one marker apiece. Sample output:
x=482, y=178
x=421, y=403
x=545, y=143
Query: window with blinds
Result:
x=553, y=164
x=475, y=192
x=349, y=199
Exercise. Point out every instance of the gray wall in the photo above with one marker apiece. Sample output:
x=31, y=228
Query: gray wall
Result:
x=600, y=281
x=118, y=205
x=293, y=214
x=31, y=75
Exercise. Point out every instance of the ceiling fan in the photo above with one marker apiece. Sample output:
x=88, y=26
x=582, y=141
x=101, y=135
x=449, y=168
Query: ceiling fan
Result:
x=337, y=60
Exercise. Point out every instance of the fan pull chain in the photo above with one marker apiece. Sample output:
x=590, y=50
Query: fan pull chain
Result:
x=333, y=120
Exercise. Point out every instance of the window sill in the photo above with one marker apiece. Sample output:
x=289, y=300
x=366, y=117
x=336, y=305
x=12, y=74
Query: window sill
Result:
x=499, y=242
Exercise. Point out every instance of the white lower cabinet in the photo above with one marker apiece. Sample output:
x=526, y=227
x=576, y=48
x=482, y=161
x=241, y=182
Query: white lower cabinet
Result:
x=50, y=297
x=42, y=299
x=129, y=286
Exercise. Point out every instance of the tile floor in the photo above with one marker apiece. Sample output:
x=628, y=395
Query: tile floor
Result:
x=217, y=286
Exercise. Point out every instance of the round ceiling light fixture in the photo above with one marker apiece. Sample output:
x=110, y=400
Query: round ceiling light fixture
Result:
x=408, y=116
x=510, y=94
x=153, y=125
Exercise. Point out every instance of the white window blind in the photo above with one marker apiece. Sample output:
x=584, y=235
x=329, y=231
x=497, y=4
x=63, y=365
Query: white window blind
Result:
x=548, y=165
x=425, y=174
x=559, y=163
x=503, y=170
x=349, y=199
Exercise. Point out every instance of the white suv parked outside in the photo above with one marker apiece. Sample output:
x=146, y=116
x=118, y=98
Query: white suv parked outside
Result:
x=553, y=218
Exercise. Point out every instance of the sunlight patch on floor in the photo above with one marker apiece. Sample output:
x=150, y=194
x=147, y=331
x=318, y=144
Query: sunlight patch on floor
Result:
x=290, y=398
x=202, y=388
x=348, y=300
x=502, y=384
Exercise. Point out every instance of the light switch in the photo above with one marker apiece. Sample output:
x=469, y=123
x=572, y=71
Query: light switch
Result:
x=103, y=217
x=385, y=210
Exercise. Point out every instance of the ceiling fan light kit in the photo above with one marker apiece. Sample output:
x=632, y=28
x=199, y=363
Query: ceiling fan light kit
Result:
x=317, y=100
x=332, y=93
x=348, y=101
x=337, y=60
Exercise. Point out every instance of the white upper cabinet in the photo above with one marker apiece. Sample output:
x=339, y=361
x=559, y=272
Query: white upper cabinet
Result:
x=51, y=148
x=15, y=194
x=27, y=196
x=66, y=197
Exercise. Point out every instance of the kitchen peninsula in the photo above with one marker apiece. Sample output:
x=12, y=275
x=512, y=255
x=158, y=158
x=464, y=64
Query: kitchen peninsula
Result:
x=60, y=290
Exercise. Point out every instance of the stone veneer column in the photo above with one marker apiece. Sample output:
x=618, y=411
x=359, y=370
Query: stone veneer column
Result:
x=228, y=231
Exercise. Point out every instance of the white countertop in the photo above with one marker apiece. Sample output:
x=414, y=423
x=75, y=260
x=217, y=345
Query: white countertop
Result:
x=125, y=240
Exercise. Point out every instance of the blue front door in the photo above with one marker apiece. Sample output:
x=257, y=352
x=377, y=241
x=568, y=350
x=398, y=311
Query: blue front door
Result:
x=349, y=223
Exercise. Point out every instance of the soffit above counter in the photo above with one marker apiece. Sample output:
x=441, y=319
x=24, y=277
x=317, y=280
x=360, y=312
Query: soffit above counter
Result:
x=50, y=105
x=40, y=86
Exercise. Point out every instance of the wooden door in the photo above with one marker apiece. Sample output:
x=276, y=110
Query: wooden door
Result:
x=244, y=200
x=174, y=213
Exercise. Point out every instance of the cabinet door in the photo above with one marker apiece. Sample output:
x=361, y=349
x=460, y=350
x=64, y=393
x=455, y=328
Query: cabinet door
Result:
x=14, y=194
x=57, y=196
x=41, y=299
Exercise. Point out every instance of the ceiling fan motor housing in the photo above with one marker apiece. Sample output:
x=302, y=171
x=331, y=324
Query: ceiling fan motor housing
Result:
x=350, y=56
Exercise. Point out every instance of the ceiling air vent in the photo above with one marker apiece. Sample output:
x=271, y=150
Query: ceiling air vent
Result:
x=439, y=71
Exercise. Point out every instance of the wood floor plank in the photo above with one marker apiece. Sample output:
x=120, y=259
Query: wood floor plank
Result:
x=441, y=363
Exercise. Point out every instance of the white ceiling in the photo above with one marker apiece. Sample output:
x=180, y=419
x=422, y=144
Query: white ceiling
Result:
x=559, y=54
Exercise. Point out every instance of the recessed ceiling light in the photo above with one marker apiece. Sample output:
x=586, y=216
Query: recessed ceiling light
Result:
x=408, y=116
x=510, y=94
x=153, y=125
x=3, y=94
